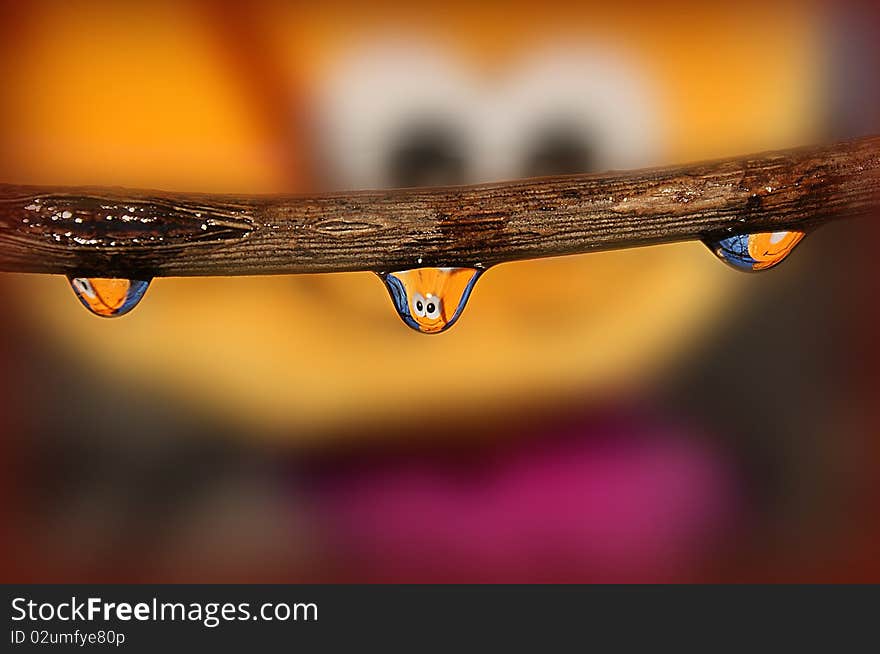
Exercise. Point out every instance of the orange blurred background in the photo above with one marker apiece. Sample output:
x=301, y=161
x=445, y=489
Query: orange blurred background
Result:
x=642, y=415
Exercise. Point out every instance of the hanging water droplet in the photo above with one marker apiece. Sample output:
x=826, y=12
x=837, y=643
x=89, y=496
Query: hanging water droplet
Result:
x=430, y=300
x=109, y=297
x=752, y=252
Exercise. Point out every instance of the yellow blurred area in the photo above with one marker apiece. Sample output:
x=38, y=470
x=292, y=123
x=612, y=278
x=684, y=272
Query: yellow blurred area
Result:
x=141, y=95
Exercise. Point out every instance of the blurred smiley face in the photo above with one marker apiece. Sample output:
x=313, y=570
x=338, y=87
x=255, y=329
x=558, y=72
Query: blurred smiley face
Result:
x=466, y=96
x=430, y=300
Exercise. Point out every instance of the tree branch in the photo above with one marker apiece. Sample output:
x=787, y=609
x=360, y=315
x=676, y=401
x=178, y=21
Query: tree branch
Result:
x=115, y=232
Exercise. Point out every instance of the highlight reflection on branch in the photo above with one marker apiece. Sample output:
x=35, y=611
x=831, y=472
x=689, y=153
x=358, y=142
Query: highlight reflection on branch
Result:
x=113, y=232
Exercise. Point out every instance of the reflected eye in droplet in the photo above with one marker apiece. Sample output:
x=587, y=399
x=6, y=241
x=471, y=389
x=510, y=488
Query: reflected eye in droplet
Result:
x=109, y=297
x=430, y=300
x=753, y=252
x=433, y=307
x=418, y=305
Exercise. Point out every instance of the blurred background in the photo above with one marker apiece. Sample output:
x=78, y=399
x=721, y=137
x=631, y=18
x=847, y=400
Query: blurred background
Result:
x=641, y=415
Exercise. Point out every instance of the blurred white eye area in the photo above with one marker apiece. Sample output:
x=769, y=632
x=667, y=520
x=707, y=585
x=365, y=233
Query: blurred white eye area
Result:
x=559, y=148
x=572, y=110
x=401, y=114
x=397, y=115
x=429, y=153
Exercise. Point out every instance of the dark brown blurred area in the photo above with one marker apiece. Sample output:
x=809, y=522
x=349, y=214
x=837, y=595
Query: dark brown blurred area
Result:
x=645, y=415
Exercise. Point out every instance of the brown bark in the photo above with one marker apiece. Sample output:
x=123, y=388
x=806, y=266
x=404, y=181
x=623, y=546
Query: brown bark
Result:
x=115, y=232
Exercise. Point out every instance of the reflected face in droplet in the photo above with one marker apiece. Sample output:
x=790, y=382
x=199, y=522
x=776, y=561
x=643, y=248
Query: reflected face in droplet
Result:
x=756, y=251
x=430, y=300
x=109, y=297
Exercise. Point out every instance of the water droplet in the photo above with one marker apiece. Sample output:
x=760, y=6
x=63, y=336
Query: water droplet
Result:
x=752, y=252
x=109, y=297
x=430, y=300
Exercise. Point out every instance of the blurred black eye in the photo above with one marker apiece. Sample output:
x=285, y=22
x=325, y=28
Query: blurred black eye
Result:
x=559, y=150
x=428, y=155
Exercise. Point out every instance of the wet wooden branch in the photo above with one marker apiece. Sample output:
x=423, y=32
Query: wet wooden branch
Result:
x=107, y=232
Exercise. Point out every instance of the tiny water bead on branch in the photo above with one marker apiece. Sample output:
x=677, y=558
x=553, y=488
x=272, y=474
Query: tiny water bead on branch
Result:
x=751, y=211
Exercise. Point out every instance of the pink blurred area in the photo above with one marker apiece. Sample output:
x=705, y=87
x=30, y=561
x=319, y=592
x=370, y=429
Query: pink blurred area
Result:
x=607, y=500
x=741, y=446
